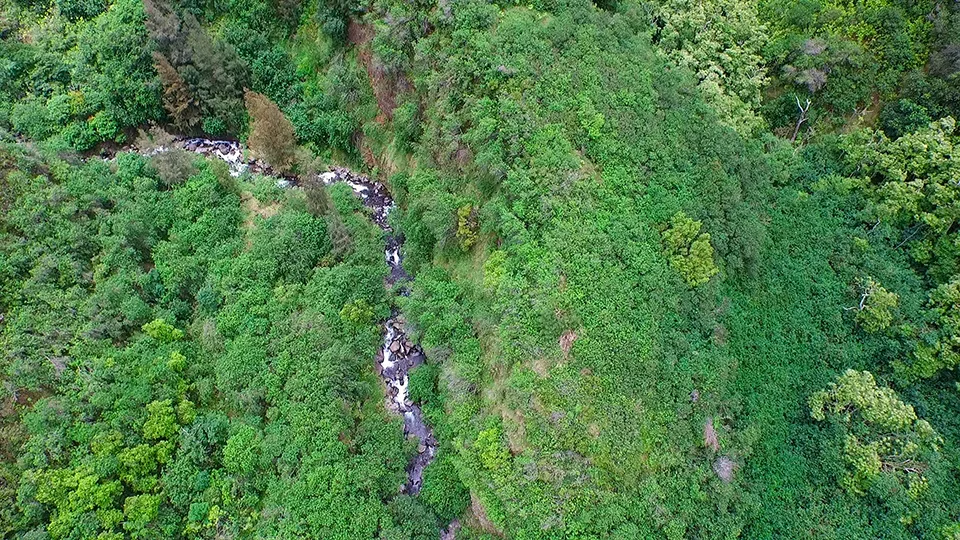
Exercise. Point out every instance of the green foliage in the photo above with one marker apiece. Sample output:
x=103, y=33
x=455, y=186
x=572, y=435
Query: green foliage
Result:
x=582, y=404
x=161, y=421
x=134, y=440
x=85, y=81
x=139, y=511
x=443, y=491
x=591, y=121
x=406, y=125
x=909, y=178
x=688, y=250
x=882, y=435
x=467, y=227
x=721, y=42
x=240, y=452
x=180, y=368
x=903, y=117
x=197, y=70
x=159, y=330
x=413, y=521
x=357, y=312
x=491, y=451
x=874, y=310
x=942, y=351
x=842, y=55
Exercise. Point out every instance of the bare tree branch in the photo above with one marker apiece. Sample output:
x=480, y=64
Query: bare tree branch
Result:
x=801, y=119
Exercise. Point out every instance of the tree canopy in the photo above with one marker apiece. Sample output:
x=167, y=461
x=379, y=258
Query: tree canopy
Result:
x=678, y=269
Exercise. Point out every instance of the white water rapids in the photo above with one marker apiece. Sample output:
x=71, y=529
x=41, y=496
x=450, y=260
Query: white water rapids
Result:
x=399, y=354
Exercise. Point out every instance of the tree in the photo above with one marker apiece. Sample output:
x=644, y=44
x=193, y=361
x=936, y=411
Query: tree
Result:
x=875, y=305
x=176, y=96
x=173, y=164
x=910, y=180
x=442, y=489
x=467, y=226
x=688, y=250
x=139, y=511
x=911, y=183
x=722, y=42
x=903, y=117
x=339, y=236
x=881, y=435
x=210, y=69
x=271, y=135
x=318, y=200
x=942, y=350
x=161, y=421
x=163, y=332
x=240, y=453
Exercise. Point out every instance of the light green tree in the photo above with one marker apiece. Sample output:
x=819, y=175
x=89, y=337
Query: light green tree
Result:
x=73, y=494
x=722, y=42
x=161, y=420
x=139, y=511
x=138, y=467
x=240, y=453
x=911, y=181
x=689, y=250
x=944, y=352
x=874, y=310
x=490, y=450
x=161, y=331
x=882, y=435
x=467, y=226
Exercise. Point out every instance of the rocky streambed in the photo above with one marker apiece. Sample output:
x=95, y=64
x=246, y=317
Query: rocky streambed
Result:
x=399, y=354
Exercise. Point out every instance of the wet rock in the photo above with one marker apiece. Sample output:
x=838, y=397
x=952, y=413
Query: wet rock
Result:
x=328, y=177
x=394, y=361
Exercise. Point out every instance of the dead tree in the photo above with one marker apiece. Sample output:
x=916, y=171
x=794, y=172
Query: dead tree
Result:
x=803, y=118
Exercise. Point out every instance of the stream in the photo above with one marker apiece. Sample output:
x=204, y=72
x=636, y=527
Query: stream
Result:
x=399, y=354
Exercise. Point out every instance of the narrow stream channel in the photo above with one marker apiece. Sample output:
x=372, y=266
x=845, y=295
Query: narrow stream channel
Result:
x=399, y=354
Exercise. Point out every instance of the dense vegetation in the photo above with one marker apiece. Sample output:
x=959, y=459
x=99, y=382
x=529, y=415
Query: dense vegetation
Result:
x=680, y=269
